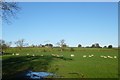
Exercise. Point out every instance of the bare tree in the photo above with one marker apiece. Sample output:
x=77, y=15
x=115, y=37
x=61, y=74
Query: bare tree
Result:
x=62, y=44
x=8, y=10
x=20, y=43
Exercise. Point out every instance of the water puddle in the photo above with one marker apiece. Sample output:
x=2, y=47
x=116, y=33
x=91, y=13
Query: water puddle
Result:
x=38, y=75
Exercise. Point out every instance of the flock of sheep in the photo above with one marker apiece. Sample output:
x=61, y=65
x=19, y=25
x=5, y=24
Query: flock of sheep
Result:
x=72, y=55
x=102, y=56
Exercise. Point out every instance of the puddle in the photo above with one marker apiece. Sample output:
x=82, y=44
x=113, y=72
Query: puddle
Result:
x=38, y=75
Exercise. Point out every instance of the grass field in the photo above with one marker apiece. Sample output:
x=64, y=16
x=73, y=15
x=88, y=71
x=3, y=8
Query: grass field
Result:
x=65, y=66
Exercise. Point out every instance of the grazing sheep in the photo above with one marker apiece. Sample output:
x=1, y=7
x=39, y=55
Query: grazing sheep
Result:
x=27, y=54
x=115, y=56
x=41, y=55
x=57, y=55
x=33, y=55
x=109, y=57
x=101, y=56
x=72, y=55
x=90, y=56
x=53, y=54
x=105, y=57
x=17, y=54
x=84, y=56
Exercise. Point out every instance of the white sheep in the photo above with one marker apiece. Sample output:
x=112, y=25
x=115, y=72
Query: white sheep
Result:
x=115, y=56
x=90, y=56
x=53, y=54
x=105, y=57
x=72, y=55
x=57, y=55
x=109, y=57
x=17, y=54
x=84, y=56
x=101, y=56
x=33, y=55
x=41, y=55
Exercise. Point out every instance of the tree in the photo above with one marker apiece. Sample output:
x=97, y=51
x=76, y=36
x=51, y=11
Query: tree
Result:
x=8, y=10
x=79, y=45
x=4, y=45
x=96, y=45
x=49, y=45
x=105, y=47
x=20, y=43
x=110, y=46
x=93, y=46
x=62, y=44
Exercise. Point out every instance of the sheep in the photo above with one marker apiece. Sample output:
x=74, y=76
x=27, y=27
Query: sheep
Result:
x=41, y=55
x=84, y=56
x=57, y=55
x=17, y=54
x=72, y=55
x=101, y=56
x=27, y=54
x=104, y=57
x=90, y=56
x=109, y=57
x=13, y=54
x=53, y=54
x=33, y=55
x=115, y=56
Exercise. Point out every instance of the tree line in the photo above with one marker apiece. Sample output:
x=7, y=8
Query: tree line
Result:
x=21, y=43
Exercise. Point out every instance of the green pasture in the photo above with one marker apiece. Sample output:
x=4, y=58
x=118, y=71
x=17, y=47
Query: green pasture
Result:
x=65, y=66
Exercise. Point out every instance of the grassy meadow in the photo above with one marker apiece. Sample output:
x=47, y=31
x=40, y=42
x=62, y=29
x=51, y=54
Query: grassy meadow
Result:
x=81, y=65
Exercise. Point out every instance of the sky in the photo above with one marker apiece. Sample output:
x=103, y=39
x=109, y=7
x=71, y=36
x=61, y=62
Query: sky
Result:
x=82, y=23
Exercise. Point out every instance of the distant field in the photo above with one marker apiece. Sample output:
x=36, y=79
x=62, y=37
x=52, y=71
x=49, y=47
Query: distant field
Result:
x=65, y=66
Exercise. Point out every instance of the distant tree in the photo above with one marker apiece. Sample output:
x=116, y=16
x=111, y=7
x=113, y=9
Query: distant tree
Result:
x=4, y=45
x=49, y=45
x=43, y=45
x=96, y=45
x=110, y=46
x=93, y=46
x=105, y=47
x=20, y=43
x=62, y=44
x=8, y=9
x=79, y=45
